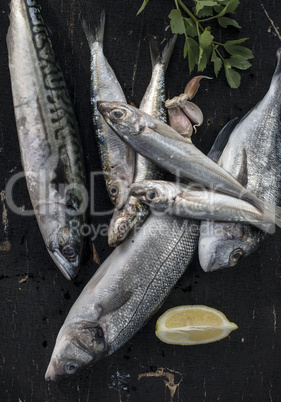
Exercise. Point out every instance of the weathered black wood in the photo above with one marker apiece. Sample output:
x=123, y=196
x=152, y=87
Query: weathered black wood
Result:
x=35, y=297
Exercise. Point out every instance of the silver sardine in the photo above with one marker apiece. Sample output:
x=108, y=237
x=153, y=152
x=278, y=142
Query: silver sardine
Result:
x=117, y=159
x=132, y=215
x=48, y=136
x=189, y=201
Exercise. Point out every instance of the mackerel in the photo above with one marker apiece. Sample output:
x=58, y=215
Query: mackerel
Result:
x=47, y=130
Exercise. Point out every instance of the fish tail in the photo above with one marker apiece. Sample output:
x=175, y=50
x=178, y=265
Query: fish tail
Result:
x=96, y=35
x=273, y=213
x=163, y=57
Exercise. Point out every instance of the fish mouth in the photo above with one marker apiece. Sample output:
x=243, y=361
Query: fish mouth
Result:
x=51, y=374
x=102, y=107
x=207, y=264
x=68, y=269
x=137, y=191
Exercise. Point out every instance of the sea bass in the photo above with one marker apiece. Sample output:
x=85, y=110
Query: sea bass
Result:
x=125, y=292
x=132, y=215
x=189, y=201
x=47, y=130
x=117, y=159
x=253, y=156
x=166, y=147
x=128, y=288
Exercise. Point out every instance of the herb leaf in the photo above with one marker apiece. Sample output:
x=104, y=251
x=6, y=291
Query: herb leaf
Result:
x=217, y=61
x=229, y=8
x=233, y=78
x=142, y=6
x=177, y=22
x=200, y=4
x=239, y=62
x=204, y=56
x=192, y=50
x=206, y=38
x=200, y=46
x=225, y=22
x=236, y=50
x=190, y=27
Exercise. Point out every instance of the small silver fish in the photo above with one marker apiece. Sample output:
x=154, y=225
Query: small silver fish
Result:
x=253, y=156
x=117, y=159
x=189, y=201
x=133, y=213
x=163, y=145
x=47, y=130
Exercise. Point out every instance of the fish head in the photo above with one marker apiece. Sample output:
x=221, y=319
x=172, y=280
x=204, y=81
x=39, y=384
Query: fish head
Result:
x=118, y=191
x=122, y=118
x=158, y=194
x=62, y=237
x=223, y=245
x=118, y=182
x=125, y=221
x=78, y=344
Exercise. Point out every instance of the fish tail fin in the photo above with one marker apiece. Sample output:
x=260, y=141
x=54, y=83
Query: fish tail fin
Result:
x=273, y=213
x=96, y=35
x=163, y=57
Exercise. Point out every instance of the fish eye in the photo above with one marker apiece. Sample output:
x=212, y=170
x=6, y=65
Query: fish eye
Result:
x=236, y=255
x=114, y=191
x=117, y=114
x=69, y=252
x=151, y=195
x=71, y=367
x=122, y=229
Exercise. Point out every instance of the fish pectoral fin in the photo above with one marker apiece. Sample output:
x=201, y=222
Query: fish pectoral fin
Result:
x=221, y=140
x=243, y=173
x=117, y=300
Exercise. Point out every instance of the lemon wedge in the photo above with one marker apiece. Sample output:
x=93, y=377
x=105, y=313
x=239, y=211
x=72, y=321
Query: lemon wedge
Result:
x=193, y=325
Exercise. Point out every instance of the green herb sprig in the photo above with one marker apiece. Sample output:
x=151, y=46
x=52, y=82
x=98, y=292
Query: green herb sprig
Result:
x=230, y=55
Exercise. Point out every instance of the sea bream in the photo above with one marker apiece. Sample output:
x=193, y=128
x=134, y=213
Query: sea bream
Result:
x=117, y=159
x=252, y=156
x=133, y=213
x=47, y=130
x=166, y=147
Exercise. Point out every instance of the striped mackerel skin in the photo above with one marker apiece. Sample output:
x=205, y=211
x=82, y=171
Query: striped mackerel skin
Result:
x=47, y=131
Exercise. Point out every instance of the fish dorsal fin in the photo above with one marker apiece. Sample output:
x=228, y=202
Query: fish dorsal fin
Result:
x=221, y=140
x=243, y=173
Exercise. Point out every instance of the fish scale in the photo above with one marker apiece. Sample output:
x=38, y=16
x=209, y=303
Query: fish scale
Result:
x=48, y=135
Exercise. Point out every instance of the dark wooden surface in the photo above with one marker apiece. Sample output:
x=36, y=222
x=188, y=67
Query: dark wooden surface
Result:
x=35, y=297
